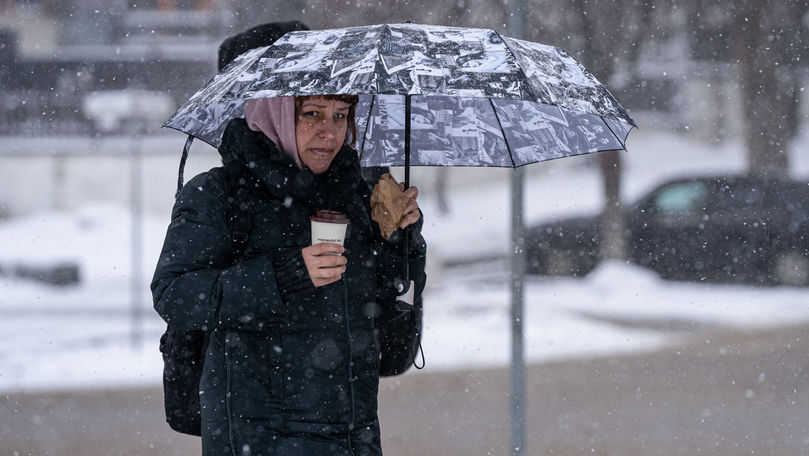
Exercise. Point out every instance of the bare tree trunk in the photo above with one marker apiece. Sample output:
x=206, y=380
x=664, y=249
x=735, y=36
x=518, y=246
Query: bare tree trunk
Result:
x=765, y=119
x=613, y=244
x=793, y=44
x=639, y=33
x=441, y=177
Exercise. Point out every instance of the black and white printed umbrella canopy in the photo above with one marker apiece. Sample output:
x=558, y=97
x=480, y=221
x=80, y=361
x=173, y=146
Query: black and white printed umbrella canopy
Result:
x=475, y=98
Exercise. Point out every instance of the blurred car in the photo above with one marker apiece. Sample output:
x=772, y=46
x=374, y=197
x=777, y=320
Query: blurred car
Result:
x=715, y=228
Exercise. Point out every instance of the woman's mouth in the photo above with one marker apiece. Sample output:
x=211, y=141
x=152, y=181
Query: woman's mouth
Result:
x=321, y=152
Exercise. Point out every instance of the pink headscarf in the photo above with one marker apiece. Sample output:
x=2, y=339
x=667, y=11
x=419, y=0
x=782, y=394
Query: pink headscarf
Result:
x=275, y=117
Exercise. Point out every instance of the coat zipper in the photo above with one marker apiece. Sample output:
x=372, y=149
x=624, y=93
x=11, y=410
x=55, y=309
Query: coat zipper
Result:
x=350, y=366
x=228, y=386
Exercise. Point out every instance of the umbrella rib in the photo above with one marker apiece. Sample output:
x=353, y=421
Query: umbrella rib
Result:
x=517, y=64
x=367, y=126
x=503, y=132
x=623, y=146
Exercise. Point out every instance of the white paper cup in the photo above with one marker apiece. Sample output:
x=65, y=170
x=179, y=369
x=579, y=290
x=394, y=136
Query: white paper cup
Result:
x=334, y=233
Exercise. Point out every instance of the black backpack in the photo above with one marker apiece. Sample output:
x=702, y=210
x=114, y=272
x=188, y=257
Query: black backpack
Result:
x=184, y=351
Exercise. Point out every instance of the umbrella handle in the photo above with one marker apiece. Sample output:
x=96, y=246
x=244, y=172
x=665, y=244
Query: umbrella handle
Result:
x=405, y=300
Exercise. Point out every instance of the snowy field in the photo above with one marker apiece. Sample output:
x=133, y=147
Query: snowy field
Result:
x=82, y=336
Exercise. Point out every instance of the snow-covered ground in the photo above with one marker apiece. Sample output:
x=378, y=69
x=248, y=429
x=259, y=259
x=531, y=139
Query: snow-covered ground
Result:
x=82, y=336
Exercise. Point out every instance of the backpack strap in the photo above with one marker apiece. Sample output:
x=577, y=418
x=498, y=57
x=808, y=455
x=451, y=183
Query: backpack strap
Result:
x=241, y=188
x=184, y=157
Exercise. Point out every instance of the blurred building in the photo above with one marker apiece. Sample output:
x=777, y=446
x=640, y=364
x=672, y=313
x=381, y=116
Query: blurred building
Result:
x=62, y=59
x=59, y=57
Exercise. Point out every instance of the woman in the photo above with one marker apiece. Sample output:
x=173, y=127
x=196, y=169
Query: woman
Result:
x=292, y=365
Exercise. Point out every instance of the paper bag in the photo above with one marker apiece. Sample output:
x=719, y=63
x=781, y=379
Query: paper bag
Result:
x=388, y=204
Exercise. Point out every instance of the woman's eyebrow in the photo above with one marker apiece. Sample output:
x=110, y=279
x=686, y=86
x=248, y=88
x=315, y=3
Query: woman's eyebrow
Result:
x=320, y=106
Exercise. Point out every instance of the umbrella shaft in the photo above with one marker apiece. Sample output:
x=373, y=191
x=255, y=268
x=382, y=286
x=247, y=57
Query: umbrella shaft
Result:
x=407, y=177
x=407, y=142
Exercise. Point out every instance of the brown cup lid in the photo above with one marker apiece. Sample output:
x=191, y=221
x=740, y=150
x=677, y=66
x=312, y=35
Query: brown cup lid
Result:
x=325, y=216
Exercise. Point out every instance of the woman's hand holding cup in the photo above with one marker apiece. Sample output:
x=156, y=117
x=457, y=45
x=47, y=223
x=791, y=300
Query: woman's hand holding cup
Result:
x=324, y=262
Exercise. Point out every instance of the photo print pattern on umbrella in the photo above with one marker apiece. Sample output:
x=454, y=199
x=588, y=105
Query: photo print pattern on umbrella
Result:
x=556, y=78
x=206, y=114
x=451, y=131
x=412, y=59
x=467, y=85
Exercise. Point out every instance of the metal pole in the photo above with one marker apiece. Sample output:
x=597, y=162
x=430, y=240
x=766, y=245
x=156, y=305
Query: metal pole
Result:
x=136, y=240
x=517, y=282
x=516, y=21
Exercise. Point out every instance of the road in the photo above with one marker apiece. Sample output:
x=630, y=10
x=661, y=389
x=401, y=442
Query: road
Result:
x=719, y=393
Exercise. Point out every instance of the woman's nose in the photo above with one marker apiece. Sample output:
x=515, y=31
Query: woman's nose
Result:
x=327, y=128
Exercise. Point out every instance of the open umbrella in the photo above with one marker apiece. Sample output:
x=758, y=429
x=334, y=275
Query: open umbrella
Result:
x=430, y=95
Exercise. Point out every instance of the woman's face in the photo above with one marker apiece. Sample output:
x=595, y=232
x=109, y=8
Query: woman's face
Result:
x=320, y=131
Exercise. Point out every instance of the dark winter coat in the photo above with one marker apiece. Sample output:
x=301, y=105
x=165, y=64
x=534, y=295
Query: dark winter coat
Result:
x=291, y=369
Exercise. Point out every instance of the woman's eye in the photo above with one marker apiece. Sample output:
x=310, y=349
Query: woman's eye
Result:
x=339, y=115
x=311, y=113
